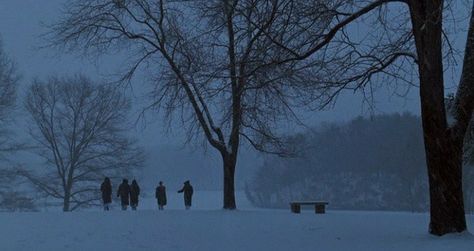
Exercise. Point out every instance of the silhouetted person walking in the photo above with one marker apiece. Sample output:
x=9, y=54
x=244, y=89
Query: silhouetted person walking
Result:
x=124, y=193
x=134, y=193
x=188, y=194
x=160, y=195
x=106, y=189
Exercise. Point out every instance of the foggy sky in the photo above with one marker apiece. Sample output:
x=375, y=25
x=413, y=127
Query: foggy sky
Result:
x=20, y=29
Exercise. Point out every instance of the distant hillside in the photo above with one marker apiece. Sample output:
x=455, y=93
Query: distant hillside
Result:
x=367, y=163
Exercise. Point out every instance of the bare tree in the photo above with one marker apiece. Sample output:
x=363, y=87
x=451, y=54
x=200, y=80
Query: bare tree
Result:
x=80, y=130
x=8, y=84
x=260, y=39
x=468, y=159
x=8, y=145
x=415, y=31
x=468, y=170
x=205, y=59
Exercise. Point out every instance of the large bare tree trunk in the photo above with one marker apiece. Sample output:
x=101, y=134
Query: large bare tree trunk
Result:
x=67, y=201
x=444, y=161
x=230, y=162
x=443, y=149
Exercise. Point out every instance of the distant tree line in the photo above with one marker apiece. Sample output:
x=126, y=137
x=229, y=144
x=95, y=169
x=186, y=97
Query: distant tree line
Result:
x=373, y=163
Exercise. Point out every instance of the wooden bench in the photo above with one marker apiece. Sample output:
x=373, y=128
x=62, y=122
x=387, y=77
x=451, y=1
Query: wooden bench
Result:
x=319, y=206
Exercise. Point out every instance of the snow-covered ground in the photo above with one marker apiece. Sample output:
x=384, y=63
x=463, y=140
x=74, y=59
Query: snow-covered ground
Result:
x=204, y=228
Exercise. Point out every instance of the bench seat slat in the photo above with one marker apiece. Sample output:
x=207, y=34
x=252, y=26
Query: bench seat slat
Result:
x=309, y=202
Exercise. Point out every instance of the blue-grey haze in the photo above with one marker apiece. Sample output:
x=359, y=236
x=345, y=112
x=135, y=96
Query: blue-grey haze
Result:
x=21, y=28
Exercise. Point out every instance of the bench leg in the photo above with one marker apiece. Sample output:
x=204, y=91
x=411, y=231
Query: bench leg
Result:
x=320, y=209
x=295, y=208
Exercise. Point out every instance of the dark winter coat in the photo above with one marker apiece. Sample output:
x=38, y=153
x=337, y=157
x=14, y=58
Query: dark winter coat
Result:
x=124, y=193
x=134, y=193
x=188, y=193
x=106, y=189
x=160, y=195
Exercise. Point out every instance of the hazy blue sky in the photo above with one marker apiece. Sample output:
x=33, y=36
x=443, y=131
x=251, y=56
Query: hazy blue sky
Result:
x=20, y=29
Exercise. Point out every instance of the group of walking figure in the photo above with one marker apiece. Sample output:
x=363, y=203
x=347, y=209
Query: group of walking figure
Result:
x=129, y=194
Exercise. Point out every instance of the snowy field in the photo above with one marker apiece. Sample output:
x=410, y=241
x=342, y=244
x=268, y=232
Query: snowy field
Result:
x=206, y=228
